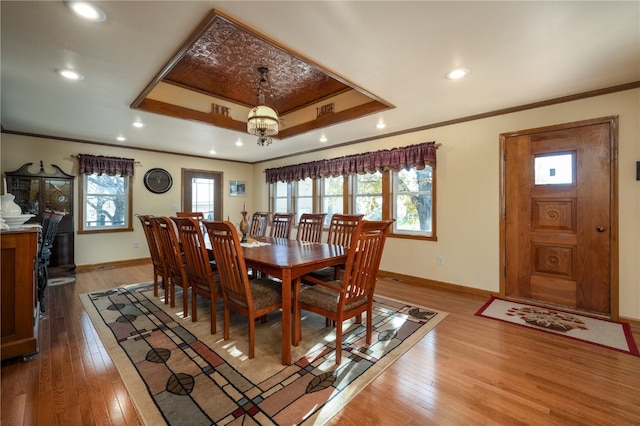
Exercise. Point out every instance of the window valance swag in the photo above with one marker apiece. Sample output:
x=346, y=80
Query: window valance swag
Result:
x=100, y=164
x=395, y=159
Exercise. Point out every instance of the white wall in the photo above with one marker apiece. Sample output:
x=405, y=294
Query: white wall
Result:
x=91, y=249
x=468, y=194
x=467, y=199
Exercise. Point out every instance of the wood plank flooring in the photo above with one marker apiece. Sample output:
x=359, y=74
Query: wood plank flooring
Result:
x=468, y=371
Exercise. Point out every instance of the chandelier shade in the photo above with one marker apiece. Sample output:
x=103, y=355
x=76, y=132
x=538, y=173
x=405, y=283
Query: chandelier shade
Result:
x=263, y=121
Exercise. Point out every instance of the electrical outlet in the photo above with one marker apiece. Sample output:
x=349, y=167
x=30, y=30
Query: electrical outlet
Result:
x=135, y=244
x=440, y=261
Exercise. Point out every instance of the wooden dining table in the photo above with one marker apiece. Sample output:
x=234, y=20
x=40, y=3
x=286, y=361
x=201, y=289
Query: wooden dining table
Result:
x=289, y=260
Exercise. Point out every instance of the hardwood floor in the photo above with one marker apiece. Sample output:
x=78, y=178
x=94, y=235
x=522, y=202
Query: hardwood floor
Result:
x=468, y=371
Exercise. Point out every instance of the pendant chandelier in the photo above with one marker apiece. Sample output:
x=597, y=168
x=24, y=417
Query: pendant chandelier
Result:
x=263, y=120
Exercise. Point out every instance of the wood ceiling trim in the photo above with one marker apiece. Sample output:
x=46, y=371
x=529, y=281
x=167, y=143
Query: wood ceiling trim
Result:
x=220, y=59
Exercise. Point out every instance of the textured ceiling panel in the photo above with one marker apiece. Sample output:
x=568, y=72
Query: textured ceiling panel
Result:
x=221, y=59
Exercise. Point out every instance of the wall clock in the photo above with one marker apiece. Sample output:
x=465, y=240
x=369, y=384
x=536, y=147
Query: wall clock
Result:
x=158, y=180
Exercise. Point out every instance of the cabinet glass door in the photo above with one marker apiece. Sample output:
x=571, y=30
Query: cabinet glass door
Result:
x=27, y=194
x=57, y=195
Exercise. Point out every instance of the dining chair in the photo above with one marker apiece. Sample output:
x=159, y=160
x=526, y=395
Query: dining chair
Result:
x=201, y=272
x=51, y=221
x=340, y=232
x=159, y=266
x=258, y=225
x=170, y=248
x=281, y=225
x=343, y=299
x=310, y=227
x=250, y=298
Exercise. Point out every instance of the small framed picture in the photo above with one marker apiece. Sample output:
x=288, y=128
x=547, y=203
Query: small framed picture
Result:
x=237, y=188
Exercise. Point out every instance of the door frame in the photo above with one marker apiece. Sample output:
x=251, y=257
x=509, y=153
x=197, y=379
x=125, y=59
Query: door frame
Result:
x=613, y=202
x=186, y=187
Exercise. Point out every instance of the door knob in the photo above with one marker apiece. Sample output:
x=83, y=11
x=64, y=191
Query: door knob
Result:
x=600, y=228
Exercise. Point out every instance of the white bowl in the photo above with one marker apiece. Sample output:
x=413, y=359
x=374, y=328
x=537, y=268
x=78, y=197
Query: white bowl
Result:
x=16, y=221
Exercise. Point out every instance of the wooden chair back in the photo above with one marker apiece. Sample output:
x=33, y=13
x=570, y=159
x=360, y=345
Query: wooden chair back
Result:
x=195, y=215
x=157, y=259
x=164, y=229
x=258, y=225
x=310, y=227
x=341, y=228
x=234, y=278
x=363, y=261
x=200, y=272
x=281, y=225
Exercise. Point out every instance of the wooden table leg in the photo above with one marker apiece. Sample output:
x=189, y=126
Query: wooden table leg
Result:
x=286, y=317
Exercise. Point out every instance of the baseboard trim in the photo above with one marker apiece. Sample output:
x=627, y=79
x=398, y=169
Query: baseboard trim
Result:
x=409, y=279
x=116, y=264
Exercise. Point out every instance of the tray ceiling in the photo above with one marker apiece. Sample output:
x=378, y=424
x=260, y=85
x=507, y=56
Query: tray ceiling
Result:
x=215, y=78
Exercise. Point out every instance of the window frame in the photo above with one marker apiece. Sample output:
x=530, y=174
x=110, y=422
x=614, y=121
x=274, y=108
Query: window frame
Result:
x=128, y=197
x=389, y=194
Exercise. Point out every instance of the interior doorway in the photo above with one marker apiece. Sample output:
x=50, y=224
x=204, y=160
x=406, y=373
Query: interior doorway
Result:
x=202, y=192
x=558, y=221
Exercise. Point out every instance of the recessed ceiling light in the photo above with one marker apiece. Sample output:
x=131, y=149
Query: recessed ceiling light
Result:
x=457, y=73
x=121, y=138
x=323, y=138
x=86, y=10
x=212, y=152
x=381, y=125
x=69, y=74
x=138, y=124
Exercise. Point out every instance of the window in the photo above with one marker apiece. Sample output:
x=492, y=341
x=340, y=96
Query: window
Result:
x=304, y=197
x=368, y=195
x=105, y=203
x=398, y=184
x=554, y=169
x=281, y=197
x=332, y=197
x=413, y=201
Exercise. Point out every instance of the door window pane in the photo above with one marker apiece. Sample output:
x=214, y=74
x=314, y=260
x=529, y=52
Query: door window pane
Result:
x=203, y=196
x=554, y=169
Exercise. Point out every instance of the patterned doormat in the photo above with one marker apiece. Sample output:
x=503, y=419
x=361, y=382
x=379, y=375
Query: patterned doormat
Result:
x=178, y=373
x=601, y=332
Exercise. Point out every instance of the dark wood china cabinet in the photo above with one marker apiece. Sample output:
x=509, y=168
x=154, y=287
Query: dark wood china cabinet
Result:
x=40, y=191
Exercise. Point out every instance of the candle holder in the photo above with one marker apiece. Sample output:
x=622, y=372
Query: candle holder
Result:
x=244, y=226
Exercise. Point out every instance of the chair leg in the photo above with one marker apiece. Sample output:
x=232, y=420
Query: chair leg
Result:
x=369, y=325
x=155, y=285
x=226, y=322
x=185, y=299
x=252, y=337
x=194, y=309
x=296, y=331
x=338, y=343
x=214, y=314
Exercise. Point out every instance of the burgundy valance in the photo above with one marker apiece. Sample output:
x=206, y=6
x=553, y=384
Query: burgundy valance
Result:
x=395, y=159
x=100, y=164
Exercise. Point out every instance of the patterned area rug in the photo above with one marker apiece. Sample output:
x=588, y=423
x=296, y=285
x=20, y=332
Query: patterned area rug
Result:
x=609, y=334
x=178, y=373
